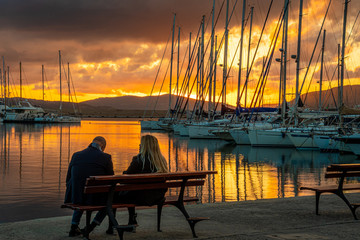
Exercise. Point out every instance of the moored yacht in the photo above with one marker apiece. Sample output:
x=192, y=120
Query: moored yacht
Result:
x=241, y=134
x=24, y=112
x=352, y=142
x=270, y=138
x=303, y=138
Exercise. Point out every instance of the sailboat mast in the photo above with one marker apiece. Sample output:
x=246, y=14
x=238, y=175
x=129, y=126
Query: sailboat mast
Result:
x=8, y=81
x=1, y=84
x=171, y=63
x=298, y=52
x=178, y=65
x=189, y=75
x=339, y=49
x=343, y=55
x=60, y=82
x=215, y=68
x=241, y=48
x=225, y=52
x=20, y=82
x=211, y=59
x=248, y=57
x=69, y=80
x=321, y=70
x=42, y=80
x=202, y=59
x=284, y=62
x=4, y=81
x=343, y=61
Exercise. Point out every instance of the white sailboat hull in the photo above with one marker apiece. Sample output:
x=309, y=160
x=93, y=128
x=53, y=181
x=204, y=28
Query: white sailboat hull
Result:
x=240, y=136
x=269, y=138
x=302, y=140
x=331, y=143
x=352, y=142
x=198, y=131
x=150, y=125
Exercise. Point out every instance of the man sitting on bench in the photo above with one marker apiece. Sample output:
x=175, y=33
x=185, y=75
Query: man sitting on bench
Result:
x=91, y=161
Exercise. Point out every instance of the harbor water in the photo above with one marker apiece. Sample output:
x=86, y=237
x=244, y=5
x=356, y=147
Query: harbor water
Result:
x=34, y=160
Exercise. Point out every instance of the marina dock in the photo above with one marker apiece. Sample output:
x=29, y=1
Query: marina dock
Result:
x=287, y=218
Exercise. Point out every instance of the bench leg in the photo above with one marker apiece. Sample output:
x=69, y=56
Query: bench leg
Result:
x=181, y=207
x=159, y=210
x=120, y=233
x=317, y=202
x=88, y=218
x=352, y=209
x=192, y=226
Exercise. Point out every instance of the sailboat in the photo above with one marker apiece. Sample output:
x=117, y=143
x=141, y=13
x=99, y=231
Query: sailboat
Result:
x=59, y=118
x=353, y=142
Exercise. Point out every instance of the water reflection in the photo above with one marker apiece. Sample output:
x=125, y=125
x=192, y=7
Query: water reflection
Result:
x=34, y=160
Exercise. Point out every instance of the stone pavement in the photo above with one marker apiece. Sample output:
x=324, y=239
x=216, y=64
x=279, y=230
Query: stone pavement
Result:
x=287, y=218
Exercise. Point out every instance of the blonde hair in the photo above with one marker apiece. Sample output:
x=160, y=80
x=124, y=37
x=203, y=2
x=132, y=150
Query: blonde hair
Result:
x=149, y=147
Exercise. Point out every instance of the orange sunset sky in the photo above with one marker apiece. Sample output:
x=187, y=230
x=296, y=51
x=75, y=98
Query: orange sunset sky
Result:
x=115, y=47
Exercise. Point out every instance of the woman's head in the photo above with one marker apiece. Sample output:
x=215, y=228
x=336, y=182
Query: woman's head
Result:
x=149, y=147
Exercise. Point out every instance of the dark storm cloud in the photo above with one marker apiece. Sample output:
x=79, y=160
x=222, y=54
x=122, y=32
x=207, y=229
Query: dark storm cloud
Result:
x=93, y=20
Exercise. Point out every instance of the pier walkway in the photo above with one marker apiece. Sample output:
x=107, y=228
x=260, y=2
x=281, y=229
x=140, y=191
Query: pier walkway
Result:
x=288, y=218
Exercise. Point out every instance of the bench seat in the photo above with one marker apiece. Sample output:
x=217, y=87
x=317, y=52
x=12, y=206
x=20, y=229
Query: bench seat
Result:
x=169, y=200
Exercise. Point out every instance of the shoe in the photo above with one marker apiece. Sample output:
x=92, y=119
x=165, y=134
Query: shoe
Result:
x=86, y=231
x=132, y=220
x=74, y=231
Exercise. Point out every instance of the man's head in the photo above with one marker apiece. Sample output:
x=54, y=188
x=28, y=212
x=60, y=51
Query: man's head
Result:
x=100, y=141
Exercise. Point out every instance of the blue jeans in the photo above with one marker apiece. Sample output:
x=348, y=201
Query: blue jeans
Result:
x=99, y=217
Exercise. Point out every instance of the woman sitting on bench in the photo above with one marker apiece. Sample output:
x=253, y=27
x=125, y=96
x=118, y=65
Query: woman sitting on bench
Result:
x=149, y=160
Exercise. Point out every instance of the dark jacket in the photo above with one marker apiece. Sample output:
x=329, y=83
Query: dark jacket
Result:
x=144, y=197
x=88, y=162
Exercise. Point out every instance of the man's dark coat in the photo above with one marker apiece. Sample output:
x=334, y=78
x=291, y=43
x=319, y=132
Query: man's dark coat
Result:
x=88, y=162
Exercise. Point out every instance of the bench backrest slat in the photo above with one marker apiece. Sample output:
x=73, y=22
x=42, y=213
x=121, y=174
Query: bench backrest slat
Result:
x=142, y=186
x=340, y=174
x=140, y=178
x=343, y=167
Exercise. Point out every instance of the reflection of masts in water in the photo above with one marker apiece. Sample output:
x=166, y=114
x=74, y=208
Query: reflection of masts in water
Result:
x=237, y=177
x=176, y=157
x=20, y=155
x=210, y=178
x=169, y=155
x=5, y=143
x=69, y=145
x=8, y=145
x=245, y=193
x=281, y=180
x=261, y=179
x=60, y=156
x=222, y=180
x=3, y=147
x=200, y=165
x=43, y=154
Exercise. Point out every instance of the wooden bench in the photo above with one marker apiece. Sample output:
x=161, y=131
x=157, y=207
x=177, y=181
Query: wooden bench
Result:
x=341, y=172
x=133, y=182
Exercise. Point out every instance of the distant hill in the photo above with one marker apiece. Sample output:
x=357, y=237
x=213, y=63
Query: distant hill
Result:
x=125, y=106
x=135, y=103
x=351, y=98
x=132, y=106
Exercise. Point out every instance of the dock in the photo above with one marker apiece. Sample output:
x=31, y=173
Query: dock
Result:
x=284, y=218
